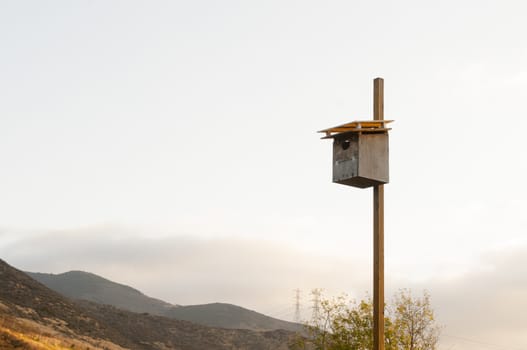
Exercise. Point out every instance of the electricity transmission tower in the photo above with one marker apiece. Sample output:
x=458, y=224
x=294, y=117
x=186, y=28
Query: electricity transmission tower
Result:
x=316, y=293
x=297, y=305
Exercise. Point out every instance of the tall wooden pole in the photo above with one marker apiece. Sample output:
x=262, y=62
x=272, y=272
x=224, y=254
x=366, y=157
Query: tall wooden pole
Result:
x=378, y=234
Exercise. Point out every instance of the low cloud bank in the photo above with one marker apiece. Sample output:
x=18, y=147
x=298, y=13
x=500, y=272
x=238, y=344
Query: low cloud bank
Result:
x=252, y=273
x=485, y=307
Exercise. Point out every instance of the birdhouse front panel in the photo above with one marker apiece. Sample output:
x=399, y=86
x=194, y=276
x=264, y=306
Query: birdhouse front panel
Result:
x=360, y=159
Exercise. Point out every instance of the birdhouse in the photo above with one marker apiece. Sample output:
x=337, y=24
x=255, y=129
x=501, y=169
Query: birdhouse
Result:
x=360, y=153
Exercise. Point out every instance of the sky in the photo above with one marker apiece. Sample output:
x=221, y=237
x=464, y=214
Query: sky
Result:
x=172, y=146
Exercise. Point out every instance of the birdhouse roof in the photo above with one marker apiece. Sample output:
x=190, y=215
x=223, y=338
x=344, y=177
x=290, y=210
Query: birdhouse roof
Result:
x=358, y=126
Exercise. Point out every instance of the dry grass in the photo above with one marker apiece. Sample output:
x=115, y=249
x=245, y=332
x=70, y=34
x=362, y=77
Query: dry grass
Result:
x=23, y=334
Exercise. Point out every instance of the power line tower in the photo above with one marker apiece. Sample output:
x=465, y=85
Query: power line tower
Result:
x=316, y=293
x=297, y=305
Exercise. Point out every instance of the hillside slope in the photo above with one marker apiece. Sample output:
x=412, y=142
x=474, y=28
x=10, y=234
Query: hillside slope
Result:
x=230, y=316
x=91, y=287
x=25, y=304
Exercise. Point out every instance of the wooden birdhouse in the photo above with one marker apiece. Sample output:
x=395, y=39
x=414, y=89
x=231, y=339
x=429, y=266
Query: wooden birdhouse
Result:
x=360, y=153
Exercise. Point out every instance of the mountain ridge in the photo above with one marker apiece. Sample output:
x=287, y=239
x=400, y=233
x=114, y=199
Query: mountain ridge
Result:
x=89, y=286
x=31, y=312
x=84, y=285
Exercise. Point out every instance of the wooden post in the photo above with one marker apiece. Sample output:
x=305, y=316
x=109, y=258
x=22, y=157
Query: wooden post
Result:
x=378, y=233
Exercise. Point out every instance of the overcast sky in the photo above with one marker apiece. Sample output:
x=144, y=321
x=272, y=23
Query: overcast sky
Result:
x=171, y=146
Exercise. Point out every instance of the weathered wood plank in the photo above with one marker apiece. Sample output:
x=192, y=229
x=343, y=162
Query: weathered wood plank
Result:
x=378, y=234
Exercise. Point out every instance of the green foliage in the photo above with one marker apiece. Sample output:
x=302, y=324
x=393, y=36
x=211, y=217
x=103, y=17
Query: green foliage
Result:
x=341, y=324
x=414, y=322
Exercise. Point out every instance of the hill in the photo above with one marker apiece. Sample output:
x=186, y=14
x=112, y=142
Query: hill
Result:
x=91, y=287
x=230, y=316
x=88, y=286
x=36, y=317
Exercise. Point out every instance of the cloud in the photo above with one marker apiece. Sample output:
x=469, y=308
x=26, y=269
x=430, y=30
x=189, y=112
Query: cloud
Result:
x=257, y=274
x=486, y=306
